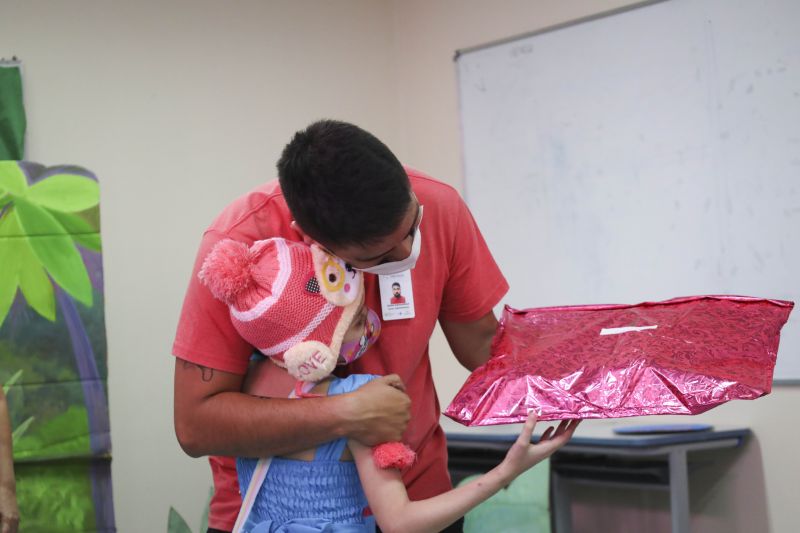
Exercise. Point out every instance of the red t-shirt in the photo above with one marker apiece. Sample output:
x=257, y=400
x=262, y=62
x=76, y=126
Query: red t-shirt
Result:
x=455, y=279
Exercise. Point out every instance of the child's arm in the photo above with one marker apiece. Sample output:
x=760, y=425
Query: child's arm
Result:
x=394, y=512
x=9, y=513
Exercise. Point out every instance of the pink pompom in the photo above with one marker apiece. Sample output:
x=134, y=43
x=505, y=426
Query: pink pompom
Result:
x=228, y=269
x=393, y=455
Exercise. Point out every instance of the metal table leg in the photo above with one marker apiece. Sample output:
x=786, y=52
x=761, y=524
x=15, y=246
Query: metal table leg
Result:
x=679, y=491
x=562, y=504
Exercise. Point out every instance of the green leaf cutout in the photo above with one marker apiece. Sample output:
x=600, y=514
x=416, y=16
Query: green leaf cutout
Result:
x=12, y=179
x=55, y=250
x=18, y=432
x=28, y=272
x=176, y=523
x=90, y=241
x=81, y=230
x=10, y=382
x=64, y=435
x=8, y=289
x=21, y=429
x=35, y=285
x=65, y=192
x=9, y=259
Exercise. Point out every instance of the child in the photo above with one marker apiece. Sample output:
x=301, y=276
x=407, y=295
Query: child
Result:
x=9, y=514
x=304, y=309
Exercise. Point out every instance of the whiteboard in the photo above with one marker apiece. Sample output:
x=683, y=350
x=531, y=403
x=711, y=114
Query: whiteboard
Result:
x=644, y=155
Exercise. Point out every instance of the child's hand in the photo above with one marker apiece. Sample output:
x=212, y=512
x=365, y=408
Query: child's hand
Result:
x=524, y=454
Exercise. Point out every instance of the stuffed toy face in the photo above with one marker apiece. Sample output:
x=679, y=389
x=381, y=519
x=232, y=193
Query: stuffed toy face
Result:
x=338, y=281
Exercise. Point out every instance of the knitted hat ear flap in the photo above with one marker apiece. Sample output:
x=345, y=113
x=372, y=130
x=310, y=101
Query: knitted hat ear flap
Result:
x=310, y=361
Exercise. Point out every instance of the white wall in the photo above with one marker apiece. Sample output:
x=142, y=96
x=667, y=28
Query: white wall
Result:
x=179, y=106
x=752, y=490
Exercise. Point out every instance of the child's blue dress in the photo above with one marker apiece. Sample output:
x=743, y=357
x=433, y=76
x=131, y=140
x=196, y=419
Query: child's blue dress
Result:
x=323, y=495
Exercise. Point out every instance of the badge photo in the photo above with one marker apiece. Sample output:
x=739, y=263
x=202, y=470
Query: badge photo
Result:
x=397, y=295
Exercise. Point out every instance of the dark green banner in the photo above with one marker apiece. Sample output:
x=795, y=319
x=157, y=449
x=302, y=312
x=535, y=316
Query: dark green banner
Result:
x=12, y=113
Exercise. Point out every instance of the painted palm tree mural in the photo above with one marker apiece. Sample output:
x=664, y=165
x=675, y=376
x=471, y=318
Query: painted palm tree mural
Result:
x=52, y=334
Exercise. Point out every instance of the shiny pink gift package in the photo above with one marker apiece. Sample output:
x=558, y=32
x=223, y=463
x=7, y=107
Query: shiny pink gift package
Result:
x=680, y=356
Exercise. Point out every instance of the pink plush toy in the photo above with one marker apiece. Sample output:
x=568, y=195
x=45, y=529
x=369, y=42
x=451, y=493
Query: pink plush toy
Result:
x=294, y=303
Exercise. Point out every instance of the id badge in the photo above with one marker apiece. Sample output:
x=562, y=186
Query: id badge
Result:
x=397, y=296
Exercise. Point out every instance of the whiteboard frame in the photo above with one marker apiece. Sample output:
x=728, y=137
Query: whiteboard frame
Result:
x=559, y=26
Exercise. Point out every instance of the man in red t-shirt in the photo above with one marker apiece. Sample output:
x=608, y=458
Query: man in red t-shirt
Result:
x=341, y=187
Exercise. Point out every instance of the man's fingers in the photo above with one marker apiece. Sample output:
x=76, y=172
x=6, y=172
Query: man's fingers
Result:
x=381, y=411
x=394, y=380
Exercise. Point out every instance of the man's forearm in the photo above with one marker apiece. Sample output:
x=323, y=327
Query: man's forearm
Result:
x=471, y=342
x=213, y=416
x=237, y=424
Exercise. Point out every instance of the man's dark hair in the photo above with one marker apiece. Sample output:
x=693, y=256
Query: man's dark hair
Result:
x=395, y=284
x=343, y=185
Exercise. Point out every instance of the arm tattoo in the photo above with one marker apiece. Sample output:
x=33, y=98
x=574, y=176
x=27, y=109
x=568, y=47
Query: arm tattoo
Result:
x=206, y=374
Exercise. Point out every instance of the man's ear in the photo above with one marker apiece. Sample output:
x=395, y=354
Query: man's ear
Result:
x=306, y=239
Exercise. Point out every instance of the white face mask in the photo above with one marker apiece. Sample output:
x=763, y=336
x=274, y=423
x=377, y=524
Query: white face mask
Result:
x=395, y=267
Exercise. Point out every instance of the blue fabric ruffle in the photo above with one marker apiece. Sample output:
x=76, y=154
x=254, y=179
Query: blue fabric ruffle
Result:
x=305, y=525
x=325, y=487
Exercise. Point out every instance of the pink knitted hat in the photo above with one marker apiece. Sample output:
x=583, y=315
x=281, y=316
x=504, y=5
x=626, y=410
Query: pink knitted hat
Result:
x=291, y=301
